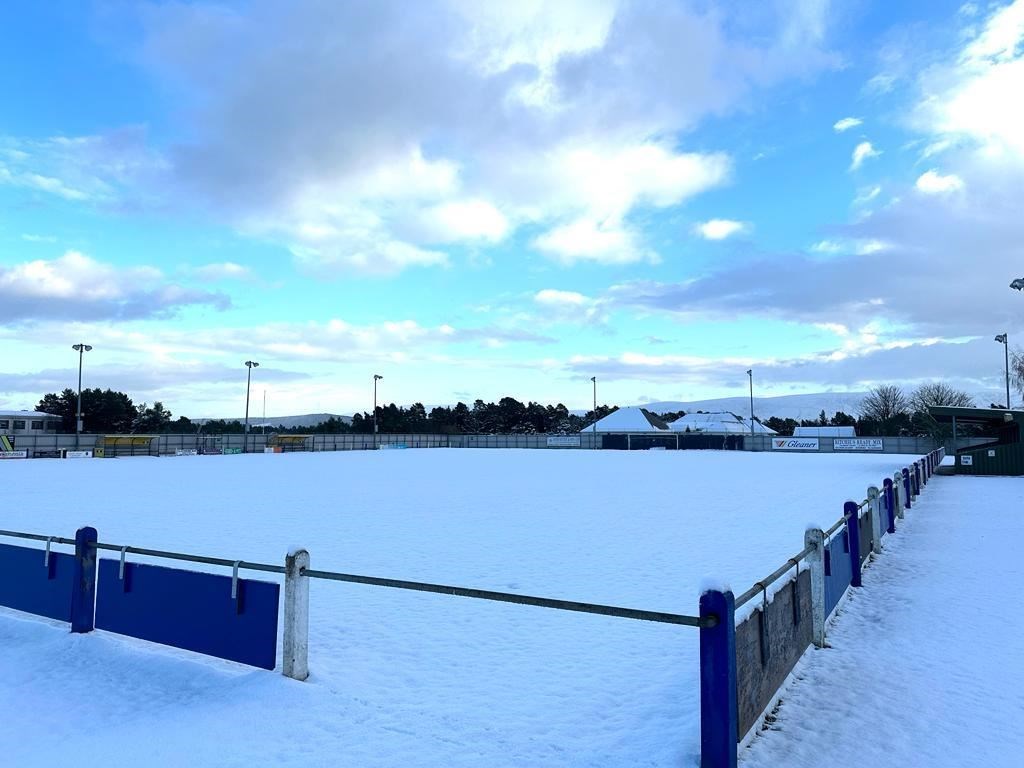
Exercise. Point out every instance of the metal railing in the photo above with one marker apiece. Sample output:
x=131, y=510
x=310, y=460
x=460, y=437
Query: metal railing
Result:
x=416, y=586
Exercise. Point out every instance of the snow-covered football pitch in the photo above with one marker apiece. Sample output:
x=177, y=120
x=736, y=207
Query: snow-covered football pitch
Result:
x=409, y=678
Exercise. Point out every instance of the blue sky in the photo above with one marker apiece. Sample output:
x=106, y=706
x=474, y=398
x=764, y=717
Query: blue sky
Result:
x=488, y=199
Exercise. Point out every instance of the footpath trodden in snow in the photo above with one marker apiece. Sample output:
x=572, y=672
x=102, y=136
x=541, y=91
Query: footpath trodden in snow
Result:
x=925, y=666
x=406, y=678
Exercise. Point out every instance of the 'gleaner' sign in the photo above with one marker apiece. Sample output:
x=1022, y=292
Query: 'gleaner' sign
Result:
x=794, y=443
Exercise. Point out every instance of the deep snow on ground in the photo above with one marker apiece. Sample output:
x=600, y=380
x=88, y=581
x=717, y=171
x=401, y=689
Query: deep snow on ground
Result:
x=925, y=666
x=406, y=678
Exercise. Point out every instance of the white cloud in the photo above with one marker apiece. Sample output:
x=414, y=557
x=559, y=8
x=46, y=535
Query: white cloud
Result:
x=866, y=194
x=462, y=220
x=227, y=270
x=719, y=229
x=862, y=152
x=827, y=246
x=569, y=306
x=524, y=114
x=554, y=298
x=978, y=97
x=587, y=240
x=78, y=286
x=29, y=238
x=933, y=183
x=846, y=124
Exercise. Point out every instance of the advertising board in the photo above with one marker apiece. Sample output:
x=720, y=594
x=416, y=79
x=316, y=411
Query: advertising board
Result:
x=13, y=454
x=794, y=443
x=857, y=444
x=77, y=454
x=186, y=452
x=564, y=441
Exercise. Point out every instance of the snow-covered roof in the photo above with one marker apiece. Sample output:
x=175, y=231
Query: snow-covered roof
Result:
x=26, y=415
x=719, y=423
x=825, y=432
x=632, y=419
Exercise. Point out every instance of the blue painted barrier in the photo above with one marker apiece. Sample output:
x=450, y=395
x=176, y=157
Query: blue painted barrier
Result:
x=890, y=505
x=852, y=514
x=29, y=585
x=838, y=570
x=718, y=714
x=83, y=581
x=190, y=610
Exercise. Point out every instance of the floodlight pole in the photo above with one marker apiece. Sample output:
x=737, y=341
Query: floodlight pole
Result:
x=376, y=438
x=1004, y=338
x=81, y=349
x=594, y=379
x=250, y=364
x=750, y=374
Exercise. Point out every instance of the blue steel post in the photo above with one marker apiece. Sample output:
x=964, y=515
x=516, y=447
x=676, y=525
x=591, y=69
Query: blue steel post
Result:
x=906, y=488
x=890, y=506
x=718, y=706
x=917, y=478
x=853, y=532
x=83, y=595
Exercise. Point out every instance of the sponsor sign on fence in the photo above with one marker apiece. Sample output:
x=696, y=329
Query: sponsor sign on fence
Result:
x=13, y=454
x=564, y=441
x=77, y=454
x=857, y=444
x=794, y=443
x=186, y=452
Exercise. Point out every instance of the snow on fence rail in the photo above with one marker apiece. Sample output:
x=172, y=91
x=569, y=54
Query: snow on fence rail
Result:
x=748, y=648
x=746, y=656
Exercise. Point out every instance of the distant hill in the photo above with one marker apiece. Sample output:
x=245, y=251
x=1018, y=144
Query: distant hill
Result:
x=785, y=407
x=288, y=422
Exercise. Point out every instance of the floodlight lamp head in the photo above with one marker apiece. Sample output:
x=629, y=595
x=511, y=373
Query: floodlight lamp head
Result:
x=1001, y=338
x=377, y=376
x=1018, y=284
x=81, y=347
x=252, y=364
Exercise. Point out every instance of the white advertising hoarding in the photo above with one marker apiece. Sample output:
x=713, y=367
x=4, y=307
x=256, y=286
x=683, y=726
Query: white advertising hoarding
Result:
x=77, y=454
x=794, y=443
x=13, y=454
x=565, y=441
x=857, y=444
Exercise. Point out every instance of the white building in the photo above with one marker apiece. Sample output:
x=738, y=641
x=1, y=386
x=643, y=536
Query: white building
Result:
x=718, y=423
x=825, y=432
x=28, y=423
x=629, y=420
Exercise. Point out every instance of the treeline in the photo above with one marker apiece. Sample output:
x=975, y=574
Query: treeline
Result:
x=887, y=410
x=107, y=411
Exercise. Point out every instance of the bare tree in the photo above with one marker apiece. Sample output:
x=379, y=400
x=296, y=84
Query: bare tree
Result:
x=1017, y=371
x=939, y=393
x=884, y=403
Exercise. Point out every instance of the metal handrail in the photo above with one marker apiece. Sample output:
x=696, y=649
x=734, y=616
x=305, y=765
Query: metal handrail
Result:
x=37, y=537
x=838, y=524
x=480, y=594
x=510, y=597
x=190, y=558
x=762, y=586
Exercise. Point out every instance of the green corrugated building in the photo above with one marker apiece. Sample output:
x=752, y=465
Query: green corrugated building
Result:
x=1002, y=455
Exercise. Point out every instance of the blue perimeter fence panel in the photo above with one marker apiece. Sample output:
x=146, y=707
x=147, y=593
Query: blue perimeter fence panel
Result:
x=838, y=570
x=190, y=610
x=31, y=584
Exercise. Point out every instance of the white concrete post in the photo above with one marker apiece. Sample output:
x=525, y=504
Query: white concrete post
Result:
x=295, y=644
x=815, y=537
x=875, y=502
x=899, y=492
